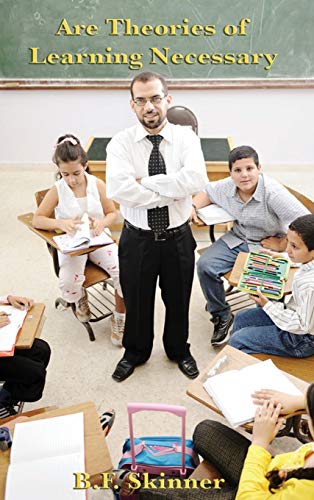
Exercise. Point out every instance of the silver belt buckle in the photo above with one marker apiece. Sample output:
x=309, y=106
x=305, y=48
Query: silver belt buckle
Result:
x=157, y=237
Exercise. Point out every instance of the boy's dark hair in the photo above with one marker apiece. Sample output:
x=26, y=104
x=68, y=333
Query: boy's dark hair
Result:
x=274, y=477
x=68, y=148
x=146, y=76
x=242, y=152
x=304, y=227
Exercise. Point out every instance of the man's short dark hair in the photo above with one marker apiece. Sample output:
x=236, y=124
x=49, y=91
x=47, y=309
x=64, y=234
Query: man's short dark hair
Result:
x=304, y=227
x=242, y=152
x=146, y=76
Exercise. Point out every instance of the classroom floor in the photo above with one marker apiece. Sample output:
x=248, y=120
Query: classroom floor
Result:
x=80, y=370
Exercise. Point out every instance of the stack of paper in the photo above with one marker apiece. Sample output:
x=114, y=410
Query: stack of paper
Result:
x=44, y=455
x=83, y=238
x=9, y=332
x=214, y=214
x=232, y=390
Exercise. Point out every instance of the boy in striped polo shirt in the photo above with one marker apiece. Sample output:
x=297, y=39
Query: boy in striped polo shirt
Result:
x=276, y=328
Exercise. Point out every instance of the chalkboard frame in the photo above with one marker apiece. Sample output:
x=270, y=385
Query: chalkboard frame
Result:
x=183, y=84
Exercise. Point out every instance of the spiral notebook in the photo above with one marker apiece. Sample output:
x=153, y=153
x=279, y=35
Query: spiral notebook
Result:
x=44, y=455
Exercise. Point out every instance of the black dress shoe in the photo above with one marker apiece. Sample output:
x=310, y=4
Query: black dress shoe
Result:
x=188, y=367
x=123, y=370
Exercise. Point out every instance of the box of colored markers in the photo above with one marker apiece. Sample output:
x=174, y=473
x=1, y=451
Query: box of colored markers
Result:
x=266, y=273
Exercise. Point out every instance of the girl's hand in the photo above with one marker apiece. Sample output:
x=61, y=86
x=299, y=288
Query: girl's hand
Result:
x=4, y=320
x=266, y=424
x=261, y=300
x=69, y=226
x=20, y=302
x=288, y=403
x=98, y=225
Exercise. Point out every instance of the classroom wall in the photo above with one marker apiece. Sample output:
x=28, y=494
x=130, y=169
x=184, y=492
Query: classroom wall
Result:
x=278, y=123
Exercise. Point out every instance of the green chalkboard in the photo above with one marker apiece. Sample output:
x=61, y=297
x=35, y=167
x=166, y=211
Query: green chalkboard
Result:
x=194, y=43
x=214, y=149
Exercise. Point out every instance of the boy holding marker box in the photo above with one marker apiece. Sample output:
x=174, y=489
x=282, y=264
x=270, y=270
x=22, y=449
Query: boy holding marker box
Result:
x=274, y=328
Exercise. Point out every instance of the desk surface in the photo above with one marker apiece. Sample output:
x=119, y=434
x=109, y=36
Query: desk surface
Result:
x=234, y=276
x=235, y=360
x=31, y=327
x=96, y=452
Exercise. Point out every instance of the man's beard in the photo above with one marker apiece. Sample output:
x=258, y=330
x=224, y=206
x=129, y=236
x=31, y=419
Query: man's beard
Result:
x=153, y=125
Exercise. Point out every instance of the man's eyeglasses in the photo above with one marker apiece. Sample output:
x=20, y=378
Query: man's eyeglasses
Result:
x=141, y=101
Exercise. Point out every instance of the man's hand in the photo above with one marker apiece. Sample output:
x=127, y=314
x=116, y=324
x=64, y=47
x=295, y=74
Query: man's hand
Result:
x=20, y=302
x=288, y=403
x=274, y=243
x=267, y=423
x=261, y=300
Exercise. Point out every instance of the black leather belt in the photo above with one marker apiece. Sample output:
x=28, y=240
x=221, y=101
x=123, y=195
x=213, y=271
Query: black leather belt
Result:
x=168, y=234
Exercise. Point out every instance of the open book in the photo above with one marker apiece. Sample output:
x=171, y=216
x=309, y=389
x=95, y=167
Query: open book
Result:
x=10, y=331
x=44, y=455
x=232, y=390
x=83, y=238
x=214, y=214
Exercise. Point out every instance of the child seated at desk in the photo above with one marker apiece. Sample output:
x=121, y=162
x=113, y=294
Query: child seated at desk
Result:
x=75, y=193
x=25, y=372
x=274, y=328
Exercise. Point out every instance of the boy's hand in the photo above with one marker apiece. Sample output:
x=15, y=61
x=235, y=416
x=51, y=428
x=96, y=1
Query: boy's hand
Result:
x=274, y=243
x=267, y=423
x=98, y=225
x=194, y=218
x=261, y=300
x=20, y=302
x=69, y=226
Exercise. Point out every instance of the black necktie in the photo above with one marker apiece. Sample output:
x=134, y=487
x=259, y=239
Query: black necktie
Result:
x=158, y=218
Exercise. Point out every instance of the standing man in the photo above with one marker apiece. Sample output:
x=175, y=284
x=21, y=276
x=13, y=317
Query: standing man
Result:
x=153, y=168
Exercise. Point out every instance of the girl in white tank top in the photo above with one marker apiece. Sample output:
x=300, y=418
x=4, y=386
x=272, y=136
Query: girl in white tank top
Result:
x=76, y=193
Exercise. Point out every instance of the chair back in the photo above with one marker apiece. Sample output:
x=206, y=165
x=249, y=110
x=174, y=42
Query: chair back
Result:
x=180, y=115
x=309, y=204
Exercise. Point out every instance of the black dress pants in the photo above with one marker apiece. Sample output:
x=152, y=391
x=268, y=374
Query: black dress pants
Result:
x=142, y=260
x=25, y=372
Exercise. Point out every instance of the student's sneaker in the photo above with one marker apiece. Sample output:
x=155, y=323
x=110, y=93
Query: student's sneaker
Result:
x=222, y=329
x=117, y=329
x=82, y=309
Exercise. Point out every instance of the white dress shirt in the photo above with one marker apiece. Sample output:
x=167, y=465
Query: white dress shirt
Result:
x=127, y=160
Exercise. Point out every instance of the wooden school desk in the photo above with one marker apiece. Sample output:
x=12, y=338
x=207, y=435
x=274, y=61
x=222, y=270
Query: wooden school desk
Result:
x=48, y=235
x=32, y=327
x=97, y=457
x=235, y=360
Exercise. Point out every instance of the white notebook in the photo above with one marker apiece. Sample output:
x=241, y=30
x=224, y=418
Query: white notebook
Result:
x=83, y=238
x=10, y=331
x=44, y=455
x=232, y=390
x=214, y=214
